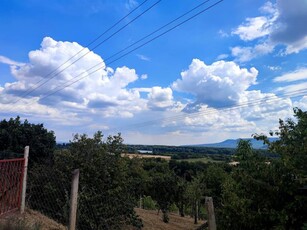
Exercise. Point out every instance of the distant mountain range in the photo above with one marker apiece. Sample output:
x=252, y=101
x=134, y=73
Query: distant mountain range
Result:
x=232, y=143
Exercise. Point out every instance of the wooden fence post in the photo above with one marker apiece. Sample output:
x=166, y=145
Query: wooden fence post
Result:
x=141, y=201
x=74, y=199
x=24, y=182
x=196, y=212
x=210, y=212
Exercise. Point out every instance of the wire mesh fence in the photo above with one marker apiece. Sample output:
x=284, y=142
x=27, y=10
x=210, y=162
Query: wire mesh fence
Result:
x=48, y=191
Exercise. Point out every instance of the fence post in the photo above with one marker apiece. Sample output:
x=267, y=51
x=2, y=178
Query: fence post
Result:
x=74, y=199
x=24, y=182
x=210, y=212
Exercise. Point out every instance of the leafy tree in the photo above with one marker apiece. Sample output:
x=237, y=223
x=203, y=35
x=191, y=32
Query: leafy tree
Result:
x=162, y=188
x=180, y=196
x=194, y=194
x=105, y=198
x=244, y=150
x=265, y=193
x=15, y=135
x=212, y=180
x=292, y=142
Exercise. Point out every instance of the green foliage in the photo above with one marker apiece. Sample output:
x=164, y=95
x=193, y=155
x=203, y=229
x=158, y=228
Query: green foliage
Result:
x=183, y=152
x=162, y=187
x=15, y=135
x=244, y=150
x=106, y=198
x=292, y=143
x=149, y=203
x=265, y=193
x=212, y=181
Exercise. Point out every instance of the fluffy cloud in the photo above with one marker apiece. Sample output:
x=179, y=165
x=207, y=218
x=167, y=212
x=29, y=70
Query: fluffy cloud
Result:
x=253, y=28
x=8, y=61
x=293, y=89
x=160, y=98
x=282, y=23
x=299, y=74
x=302, y=103
x=104, y=98
x=290, y=26
x=223, y=100
x=297, y=80
x=244, y=54
x=101, y=90
x=216, y=85
x=258, y=27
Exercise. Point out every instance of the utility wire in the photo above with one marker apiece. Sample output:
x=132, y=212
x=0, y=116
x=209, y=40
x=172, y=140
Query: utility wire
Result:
x=266, y=100
x=37, y=85
x=86, y=74
x=183, y=116
x=172, y=28
x=157, y=30
x=271, y=99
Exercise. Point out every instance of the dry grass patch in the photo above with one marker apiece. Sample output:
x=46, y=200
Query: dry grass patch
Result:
x=30, y=220
x=153, y=221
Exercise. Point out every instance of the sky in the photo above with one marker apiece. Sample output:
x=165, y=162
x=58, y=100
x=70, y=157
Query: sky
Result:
x=226, y=70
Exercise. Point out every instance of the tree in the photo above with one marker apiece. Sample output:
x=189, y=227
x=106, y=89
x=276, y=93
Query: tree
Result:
x=15, y=135
x=292, y=142
x=265, y=193
x=162, y=188
x=180, y=196
x=244, y=150
x=194, y=193
x=105, y=197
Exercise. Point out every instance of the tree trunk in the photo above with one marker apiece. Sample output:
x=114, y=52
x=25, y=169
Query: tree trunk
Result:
x=165, y=216
x=140, y=201
x=181, y=209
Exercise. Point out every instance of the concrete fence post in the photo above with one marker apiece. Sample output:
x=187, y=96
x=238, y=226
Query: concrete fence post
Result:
x=24, y=181
x=210, y=212
x=74, y=199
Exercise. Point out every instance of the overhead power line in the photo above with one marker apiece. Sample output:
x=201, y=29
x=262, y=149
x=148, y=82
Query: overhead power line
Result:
x=54, y=72
x=157, y=30
x=101, y=65
x=209, y=111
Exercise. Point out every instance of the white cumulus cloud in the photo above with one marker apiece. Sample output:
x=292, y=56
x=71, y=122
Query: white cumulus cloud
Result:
x=160, y=98
x=253, y=28
x=282, y=23
x=218, y=84
x=99, y=91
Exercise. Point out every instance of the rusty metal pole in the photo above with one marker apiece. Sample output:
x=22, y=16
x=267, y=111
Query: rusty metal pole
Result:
x=210, y=212
x=24, y=182
x=74, y=199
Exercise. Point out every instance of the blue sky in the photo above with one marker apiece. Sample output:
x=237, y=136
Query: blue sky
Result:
x=230, y=72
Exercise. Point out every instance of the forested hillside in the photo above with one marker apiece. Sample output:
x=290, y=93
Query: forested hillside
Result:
x=260, y=192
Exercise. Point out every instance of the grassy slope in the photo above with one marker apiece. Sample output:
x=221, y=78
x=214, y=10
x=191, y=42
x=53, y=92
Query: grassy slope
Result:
x=153, y=221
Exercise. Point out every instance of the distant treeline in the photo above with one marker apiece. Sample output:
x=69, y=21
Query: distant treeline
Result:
x=179, y=152
x=187, y=152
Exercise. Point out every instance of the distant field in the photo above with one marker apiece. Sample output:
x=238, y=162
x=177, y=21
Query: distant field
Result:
x=133, y=155
x=202, y=159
